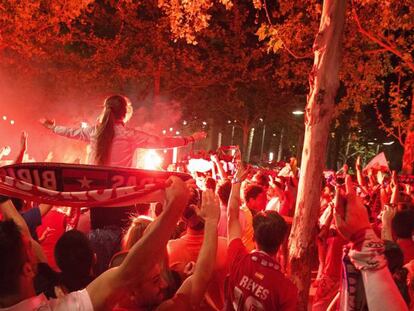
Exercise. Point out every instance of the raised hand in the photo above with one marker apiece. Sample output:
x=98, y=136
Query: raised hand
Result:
x=358, y=163
x=47, y=123
x=210, y=207
x=176, y=191
x=350, y=213
x=387, y=214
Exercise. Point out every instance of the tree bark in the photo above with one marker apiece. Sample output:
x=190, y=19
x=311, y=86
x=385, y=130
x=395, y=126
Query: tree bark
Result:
x=408, y=156
x=245, y=130
x=280, y=148
x=250, y=144
x=324, y=83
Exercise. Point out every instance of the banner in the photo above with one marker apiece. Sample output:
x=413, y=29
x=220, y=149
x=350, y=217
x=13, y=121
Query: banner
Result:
x=80, y=185
x=379, y=162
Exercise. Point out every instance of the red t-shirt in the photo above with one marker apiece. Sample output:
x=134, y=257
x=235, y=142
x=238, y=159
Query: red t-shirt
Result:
x=407, y=247
x=256, y=282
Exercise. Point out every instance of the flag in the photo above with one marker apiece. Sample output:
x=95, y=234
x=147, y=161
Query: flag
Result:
x=379, y=162
x=80, y=185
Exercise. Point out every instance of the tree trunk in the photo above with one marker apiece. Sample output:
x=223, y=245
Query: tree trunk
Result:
x=408, y=156
x=245, y=131
x=280, y=148
x=250, y=144
x=324, y=83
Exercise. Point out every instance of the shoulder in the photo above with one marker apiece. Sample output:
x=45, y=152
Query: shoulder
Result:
x=236, y=251
x=76, y=301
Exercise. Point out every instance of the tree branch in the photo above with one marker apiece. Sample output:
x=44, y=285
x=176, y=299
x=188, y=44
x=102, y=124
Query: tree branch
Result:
x=388, y=47
x=293, y=54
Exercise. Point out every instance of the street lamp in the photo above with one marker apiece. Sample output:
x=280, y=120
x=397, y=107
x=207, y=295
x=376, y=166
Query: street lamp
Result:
x=298, y=112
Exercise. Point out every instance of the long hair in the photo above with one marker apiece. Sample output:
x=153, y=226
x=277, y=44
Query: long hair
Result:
x=115, y=109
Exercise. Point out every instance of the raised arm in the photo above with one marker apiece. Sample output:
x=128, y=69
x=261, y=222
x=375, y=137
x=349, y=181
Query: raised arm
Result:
x=221, y=171
x=23, y=148
x=367, y=253
x=9, y=212
x=234, y=229
x=74, y=133
x=196, y=285
x=359, y=174
x=145, y=253
x=144, y=140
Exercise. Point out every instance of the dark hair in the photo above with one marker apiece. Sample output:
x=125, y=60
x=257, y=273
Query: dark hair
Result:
x=211, y=183
x=394, y=255
x=269, y=231
x=189, y=214
x=115, y=109
x=262, y=179
x=223, y=192
x=403, y=223
x=74, y=257
x=13, y=256
x=252, y=192
x=18, y=203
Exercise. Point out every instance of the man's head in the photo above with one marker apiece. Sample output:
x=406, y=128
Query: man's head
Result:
x=403, y=224
x=16, y=260
x=223, y=192
x=255, y=197
x=74, y=255
x=152, y=289
x=190, y=216
x=261, y=179
x=269, y=231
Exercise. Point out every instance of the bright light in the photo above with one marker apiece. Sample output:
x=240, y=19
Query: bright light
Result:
x=371, y=143
x=261, y=119
x=274, y=134
x=171, y=129
x=164, y=131
x=228, y=121
x=184, y=122
x=204, y=123
x=175, y=155
x=177, y=133
x=388, y=143
x=4, y=118
x=152, y=160
x=199, y=165
x=271, y=155
x=11, y=122
x=84, y=125
x=298, y=112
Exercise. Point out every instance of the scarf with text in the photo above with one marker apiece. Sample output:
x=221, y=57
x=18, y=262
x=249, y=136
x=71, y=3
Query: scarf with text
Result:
x=80, y=185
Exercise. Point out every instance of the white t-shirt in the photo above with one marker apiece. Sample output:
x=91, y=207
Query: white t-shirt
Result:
x=124, y=142
x=75, y=301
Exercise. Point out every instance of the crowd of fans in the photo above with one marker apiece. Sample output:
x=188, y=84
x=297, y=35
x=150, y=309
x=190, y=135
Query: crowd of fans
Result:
x=216, y=242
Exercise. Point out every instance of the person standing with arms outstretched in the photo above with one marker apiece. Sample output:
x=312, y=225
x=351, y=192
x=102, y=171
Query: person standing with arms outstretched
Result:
x=113, y=144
